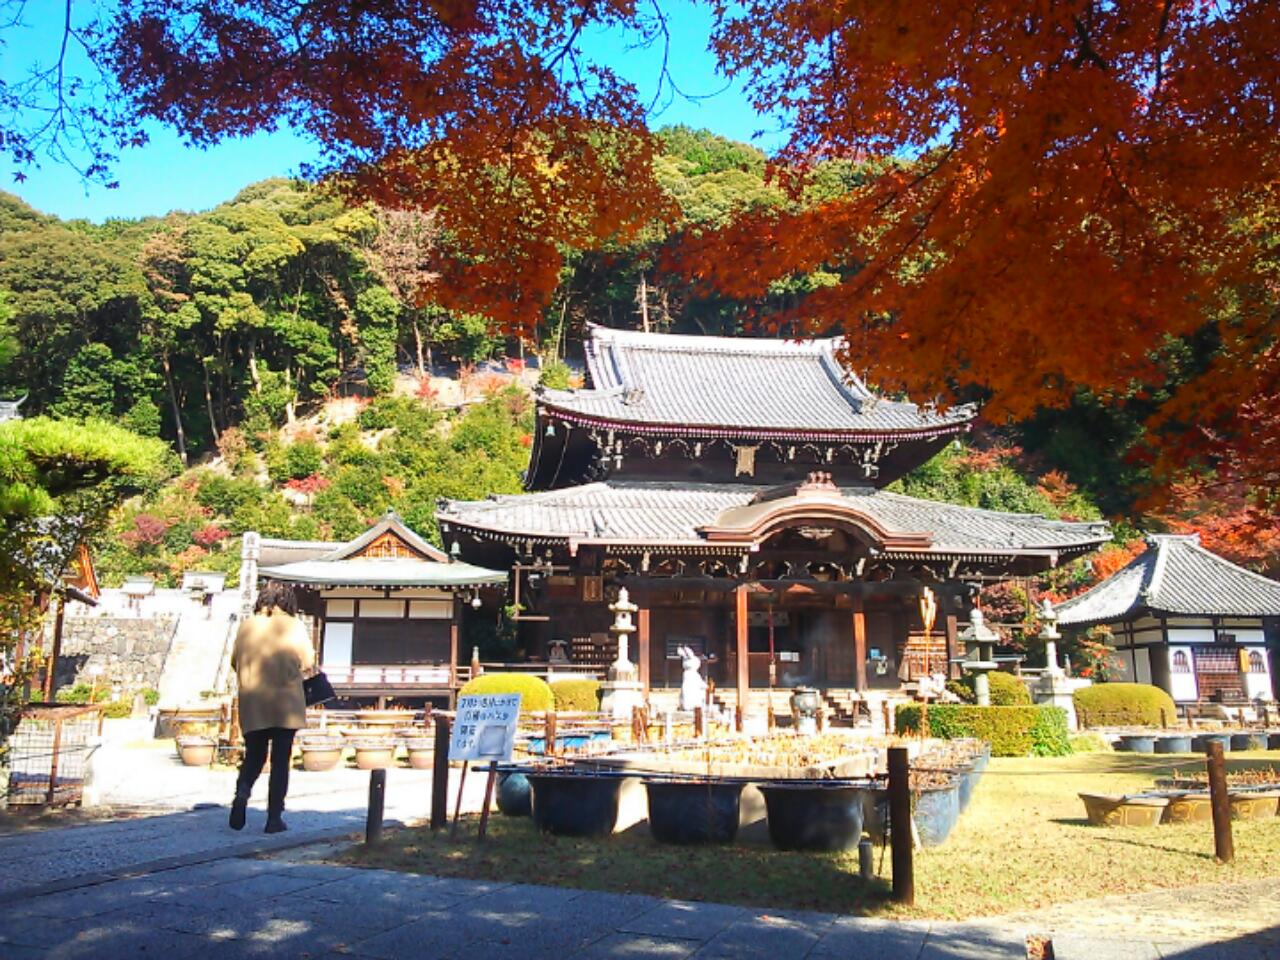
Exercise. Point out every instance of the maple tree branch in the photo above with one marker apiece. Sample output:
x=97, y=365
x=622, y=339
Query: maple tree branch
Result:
x=1086, y=51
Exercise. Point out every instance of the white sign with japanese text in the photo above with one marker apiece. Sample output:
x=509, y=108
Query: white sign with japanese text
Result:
x=485, y=728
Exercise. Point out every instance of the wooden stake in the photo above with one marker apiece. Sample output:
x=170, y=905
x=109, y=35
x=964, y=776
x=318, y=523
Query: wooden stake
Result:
x=549, y=733
x=377, y=799
x=457, y=810
x=1223, y=845
x=440, y=775
x=904, y=884
x=488, y=797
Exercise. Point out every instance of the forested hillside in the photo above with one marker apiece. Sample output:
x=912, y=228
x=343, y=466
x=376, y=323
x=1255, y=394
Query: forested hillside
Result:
x=288, y=343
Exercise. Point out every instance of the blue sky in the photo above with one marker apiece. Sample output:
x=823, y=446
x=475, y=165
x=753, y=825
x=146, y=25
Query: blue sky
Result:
x=165, y=175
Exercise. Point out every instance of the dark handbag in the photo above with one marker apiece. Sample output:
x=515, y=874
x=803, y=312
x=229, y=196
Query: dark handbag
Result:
x=317, y=689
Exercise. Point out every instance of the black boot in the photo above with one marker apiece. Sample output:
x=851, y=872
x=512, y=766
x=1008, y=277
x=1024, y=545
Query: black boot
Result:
x=238, y=807
x=275, y=822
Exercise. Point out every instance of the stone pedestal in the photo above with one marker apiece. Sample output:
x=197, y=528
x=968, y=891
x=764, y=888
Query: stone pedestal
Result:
x=1056, y=690
x=619, y=697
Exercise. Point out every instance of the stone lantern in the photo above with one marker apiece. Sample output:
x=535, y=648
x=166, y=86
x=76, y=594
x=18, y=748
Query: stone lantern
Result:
x=1055, y=688
x=622, y=691
x=979, y=659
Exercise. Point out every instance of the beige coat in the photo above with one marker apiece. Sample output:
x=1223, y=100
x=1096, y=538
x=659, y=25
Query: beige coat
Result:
x=269, y=658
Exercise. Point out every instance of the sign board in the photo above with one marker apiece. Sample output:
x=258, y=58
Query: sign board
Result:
x=485, y=728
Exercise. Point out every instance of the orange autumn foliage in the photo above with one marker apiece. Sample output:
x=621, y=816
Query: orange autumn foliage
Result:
x=1054, y=188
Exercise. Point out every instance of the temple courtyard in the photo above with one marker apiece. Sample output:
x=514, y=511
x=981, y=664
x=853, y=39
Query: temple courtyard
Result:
x=171, y=880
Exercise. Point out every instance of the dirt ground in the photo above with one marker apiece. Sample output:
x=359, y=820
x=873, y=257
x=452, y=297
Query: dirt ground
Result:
x=1211, y=912
x=28, y=819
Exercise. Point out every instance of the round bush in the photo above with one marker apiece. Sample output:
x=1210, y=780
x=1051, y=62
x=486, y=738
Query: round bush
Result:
x=577, y=696
x=1124, y=704
x=1006, y=689
x=535, y=695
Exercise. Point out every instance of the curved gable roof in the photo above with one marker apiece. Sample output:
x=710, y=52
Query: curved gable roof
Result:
x=1175, y=575
x=740, y=384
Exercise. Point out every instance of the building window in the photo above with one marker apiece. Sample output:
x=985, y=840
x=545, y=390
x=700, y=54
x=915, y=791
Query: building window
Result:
x=1181, y=663
x=1256, y=662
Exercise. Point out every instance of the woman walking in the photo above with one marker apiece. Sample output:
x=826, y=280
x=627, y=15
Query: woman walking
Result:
x=271, y=654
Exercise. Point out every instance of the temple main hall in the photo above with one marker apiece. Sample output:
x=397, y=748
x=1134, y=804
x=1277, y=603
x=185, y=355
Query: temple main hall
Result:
x=737, y=488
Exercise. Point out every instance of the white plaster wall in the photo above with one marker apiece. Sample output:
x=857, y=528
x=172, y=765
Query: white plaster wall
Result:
x=1144, y=664
x=337, y=645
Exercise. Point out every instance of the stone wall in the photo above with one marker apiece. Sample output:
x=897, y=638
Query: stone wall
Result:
x=129, y=653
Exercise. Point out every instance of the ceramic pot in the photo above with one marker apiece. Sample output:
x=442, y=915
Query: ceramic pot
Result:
x=197, y=751
x=514, y=796
x=320, y=754
x=375, y=754
x=814, y=815
x=1124, y=811
x=935, y=814
x=575, y=804
x=1173, y=744
x=693, y=811
x=421, y=752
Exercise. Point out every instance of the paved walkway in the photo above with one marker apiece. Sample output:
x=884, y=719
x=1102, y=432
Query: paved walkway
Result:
x=181, y=885
x=235, y=907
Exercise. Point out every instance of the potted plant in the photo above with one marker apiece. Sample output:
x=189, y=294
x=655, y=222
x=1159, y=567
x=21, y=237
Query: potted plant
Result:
x=320, y=753
x=693, y=811
x=196, y=750
x=375, y=754
x=1138, y=810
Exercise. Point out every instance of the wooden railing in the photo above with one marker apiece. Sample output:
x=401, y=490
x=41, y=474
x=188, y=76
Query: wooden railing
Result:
x=393, y=675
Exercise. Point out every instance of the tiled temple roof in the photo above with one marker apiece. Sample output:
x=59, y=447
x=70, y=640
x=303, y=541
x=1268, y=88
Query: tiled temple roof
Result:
x=1175, y=575
x=736, y=384
x=668, y=514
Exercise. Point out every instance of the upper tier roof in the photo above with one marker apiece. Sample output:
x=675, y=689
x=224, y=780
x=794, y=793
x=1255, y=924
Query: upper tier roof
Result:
x=736, y=384
x=1175, y=575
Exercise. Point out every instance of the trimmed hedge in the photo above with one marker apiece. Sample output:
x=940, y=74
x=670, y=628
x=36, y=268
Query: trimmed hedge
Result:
x=577, y=696
x=1006, y=689
x=1123, y=704
x=1011, y=731
x=535, y=695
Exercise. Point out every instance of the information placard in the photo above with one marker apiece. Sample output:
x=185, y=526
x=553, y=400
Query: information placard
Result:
x=485, y=728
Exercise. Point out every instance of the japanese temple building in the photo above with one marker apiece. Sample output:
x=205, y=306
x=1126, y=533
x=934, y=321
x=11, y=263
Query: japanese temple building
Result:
x=736, y=488
x=385, y=608
x=1186, y=620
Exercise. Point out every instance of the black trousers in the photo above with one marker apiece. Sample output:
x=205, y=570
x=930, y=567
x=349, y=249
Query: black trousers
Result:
x=256, y=742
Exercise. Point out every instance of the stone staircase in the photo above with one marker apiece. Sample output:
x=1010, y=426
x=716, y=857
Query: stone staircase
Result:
x=199, y=654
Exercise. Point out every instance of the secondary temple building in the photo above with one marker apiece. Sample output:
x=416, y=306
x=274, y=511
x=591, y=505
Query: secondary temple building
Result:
x=1186, y=620
x=384, y=608
x=736, y=488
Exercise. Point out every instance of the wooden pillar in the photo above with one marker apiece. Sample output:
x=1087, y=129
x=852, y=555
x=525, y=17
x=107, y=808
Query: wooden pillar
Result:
x=859, y=642
x=58, y=621
x=642, y=648
x=953, y=631
x=453, y=651
x=744, y=663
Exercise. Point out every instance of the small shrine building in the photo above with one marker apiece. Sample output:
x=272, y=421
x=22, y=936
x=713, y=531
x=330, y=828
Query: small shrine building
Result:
x=736, y=488
x=385, y=608
x=1188, y=621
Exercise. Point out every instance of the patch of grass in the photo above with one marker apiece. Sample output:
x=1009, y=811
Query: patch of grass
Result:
x=1023, y=843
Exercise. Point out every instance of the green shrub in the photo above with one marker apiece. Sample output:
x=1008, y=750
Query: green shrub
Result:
x=150, y=696
x=1006, y=689
x=555, y=375
x=1116, y=704
x=302, y=458
x=1011, y=731
x=79, y=693
x=1089, y=743
x=577, y=696
x=535, y=695
x=117, y=709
